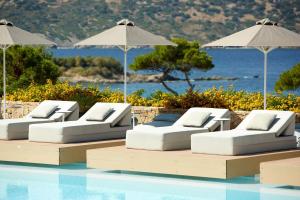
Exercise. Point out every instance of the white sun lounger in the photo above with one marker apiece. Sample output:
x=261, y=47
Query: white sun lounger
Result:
x=12, y=129
x=83, y=130
x=241, y=140
x=177, y=136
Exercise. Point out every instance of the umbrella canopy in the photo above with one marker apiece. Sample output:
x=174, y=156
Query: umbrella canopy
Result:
x=125, y=35
x=12, y=35
x=265, y=36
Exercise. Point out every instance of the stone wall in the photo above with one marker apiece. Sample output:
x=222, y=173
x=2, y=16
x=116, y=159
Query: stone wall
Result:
x=143, y=114
x=17, y=109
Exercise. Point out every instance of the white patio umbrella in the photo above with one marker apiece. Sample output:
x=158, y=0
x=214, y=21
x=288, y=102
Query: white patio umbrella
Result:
x=11, y=35
x=264, y=36
x=126, y=36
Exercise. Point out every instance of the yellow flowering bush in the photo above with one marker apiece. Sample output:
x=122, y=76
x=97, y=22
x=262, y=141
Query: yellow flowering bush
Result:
x=214, y=97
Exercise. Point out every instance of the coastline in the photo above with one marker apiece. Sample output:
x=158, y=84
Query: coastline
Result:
x=136, y=78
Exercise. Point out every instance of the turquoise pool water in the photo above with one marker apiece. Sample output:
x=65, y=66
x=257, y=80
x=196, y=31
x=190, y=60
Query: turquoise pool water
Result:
x=76, y=182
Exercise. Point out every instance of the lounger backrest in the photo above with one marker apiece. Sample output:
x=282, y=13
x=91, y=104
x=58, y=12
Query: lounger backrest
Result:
x=284, y=123
x=120, y=111
x=211, y=124
x=62, y=105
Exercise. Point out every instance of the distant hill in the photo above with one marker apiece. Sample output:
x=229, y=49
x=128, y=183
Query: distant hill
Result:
x=67, y=21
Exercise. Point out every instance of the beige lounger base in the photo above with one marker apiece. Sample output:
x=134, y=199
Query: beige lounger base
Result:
x=182, y=162
x=49, y=153
x=284, y=172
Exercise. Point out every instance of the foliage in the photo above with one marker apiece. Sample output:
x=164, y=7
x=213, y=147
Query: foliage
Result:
x=195, y=19
x=216, y=98
x=89, y=66
x=86, y=97
x=233, y=100
x=289, y=80
x=167, y=59
x=25, y=65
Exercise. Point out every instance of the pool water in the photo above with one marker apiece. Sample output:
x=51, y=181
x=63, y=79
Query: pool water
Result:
x=74, y=182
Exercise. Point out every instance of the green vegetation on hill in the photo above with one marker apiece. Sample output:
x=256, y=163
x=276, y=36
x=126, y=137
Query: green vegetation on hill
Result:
x=66, y=21
x=105, y=67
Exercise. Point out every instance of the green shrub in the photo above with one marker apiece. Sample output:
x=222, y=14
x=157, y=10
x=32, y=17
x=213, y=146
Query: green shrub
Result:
x=215, y=98
x=289, y=80
x=25, y=65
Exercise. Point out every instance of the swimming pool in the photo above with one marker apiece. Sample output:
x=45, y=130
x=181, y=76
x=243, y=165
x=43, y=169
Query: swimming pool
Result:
x=76, y=182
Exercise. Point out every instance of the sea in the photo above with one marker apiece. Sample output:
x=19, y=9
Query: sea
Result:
x=244, y=64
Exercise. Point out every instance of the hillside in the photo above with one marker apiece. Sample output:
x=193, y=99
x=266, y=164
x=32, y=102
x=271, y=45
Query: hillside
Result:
x=67, y=21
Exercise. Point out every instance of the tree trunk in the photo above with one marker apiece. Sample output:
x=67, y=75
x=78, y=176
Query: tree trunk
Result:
x=187, y=78
x=169, y=89
x=165, y=73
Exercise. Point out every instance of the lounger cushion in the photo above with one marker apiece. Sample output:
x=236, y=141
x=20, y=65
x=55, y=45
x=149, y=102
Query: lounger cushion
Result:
x=283, y=125
x=211, y=124
x=261, y=121
x=168, y=117
x=43, y=111
x=13, y=129
x=74, y=131
x=82, y=129
x=120, y=110
x=163, y=138
x=195, y=119
x=238, y=142
x=62, y=105
x=100, y=113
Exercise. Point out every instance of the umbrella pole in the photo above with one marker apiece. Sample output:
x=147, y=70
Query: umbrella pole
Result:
x=125, y=74
x=265, y=78
x=265, y=50
x=4, y=83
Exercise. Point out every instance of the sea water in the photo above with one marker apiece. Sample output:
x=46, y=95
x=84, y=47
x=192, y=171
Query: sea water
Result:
x=244, y=64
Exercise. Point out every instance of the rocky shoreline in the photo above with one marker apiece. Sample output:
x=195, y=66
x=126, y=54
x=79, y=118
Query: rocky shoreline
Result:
x=136, y=78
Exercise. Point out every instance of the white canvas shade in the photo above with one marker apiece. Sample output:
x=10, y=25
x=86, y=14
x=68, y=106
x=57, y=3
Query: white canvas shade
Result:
x=125, y=35
x=11, y=35
x=265, y=36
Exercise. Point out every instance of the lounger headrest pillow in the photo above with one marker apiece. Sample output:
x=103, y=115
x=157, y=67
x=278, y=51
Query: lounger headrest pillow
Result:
x=195, y=118
x=43, y=111
x=261, y=121
x=167, y=117
x=100, y=113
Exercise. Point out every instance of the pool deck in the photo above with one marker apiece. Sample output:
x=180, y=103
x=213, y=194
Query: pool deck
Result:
x=286, y=171
x=182, y=162
x=50, y=153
